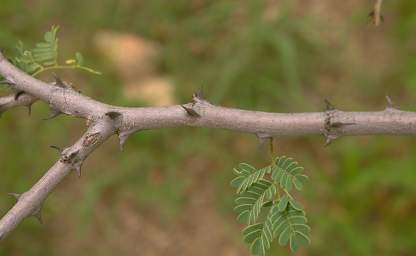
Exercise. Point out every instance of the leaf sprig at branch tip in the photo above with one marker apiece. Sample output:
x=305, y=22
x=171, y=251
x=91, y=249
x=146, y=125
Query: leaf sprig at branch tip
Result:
x=44, y=56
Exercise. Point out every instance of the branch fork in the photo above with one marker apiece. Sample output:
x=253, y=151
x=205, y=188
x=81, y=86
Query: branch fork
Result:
x=104, y=120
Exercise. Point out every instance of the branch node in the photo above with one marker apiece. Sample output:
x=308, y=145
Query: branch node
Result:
x=330, y=128
x=263, y=137
x=37, y=213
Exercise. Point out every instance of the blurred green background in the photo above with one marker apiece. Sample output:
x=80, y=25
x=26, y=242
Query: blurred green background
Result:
x=168, y=193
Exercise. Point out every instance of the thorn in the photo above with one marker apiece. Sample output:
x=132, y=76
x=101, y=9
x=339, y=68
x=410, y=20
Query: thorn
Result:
x=15, y=195
x=18, y=94
x=78, y=169
x=123, y=136
x=328, y=105
x=57, y=148
x=329, y=139
x=390, y=104
x=29, y=109
x=190, y=111
x=53, y=113
x=113, y=114
x=38, y=214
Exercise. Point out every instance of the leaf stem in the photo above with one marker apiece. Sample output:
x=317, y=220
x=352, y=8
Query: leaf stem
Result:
x=43, y=69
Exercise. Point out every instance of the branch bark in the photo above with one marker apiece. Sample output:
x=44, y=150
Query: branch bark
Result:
x=106, y=120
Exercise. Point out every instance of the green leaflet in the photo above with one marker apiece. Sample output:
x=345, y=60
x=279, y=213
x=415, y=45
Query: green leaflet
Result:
x=247, y=176
x=267, y=190
x=45, y=56
x=250, y=203
x=288, y=173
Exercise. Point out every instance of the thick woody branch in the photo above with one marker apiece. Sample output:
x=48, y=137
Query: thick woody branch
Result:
x=107, y=119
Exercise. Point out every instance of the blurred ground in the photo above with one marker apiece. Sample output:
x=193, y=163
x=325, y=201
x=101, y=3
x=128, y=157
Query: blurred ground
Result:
x=168, y=192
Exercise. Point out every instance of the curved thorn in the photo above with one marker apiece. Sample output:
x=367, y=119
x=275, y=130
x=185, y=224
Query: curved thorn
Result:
x=123, y=136
x=77, y=168
x=390, y=104
x=53, y=113
x=190, y=111
x=15, y=195
x=113, y=115
x=38, y=214
x=18, y=94
x=59, y=82
x=329, y=139
x=29, y=109
x=57, y=148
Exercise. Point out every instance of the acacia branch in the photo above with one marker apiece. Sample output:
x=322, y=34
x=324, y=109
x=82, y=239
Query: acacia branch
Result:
x=106, y=120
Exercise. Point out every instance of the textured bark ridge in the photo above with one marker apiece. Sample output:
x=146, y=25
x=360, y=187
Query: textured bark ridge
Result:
x=105, y=120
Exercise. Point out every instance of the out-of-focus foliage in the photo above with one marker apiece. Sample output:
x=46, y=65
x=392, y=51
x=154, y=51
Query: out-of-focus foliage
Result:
x=168, y=192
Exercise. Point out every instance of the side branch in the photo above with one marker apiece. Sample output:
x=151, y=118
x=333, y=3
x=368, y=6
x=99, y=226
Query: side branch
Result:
x=30, y=203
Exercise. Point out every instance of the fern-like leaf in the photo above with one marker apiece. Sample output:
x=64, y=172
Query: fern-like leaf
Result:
x=45, y=56
x=247, y=176
x=288, y=173
x=250, y=203
x=258, y=191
